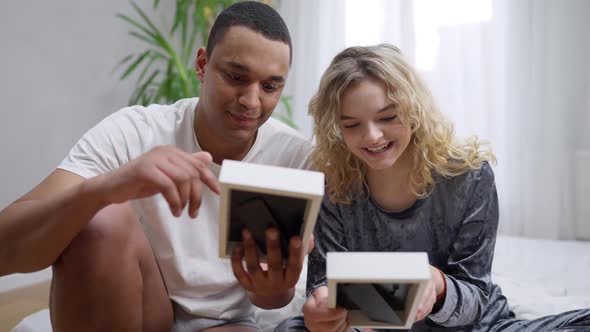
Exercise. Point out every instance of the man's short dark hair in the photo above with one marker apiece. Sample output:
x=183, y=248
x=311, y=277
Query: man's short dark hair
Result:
x=253, y=15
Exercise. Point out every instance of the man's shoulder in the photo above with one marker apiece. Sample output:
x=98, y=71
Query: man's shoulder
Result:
x=156, y=110
x=160, y=120
x=282, y=145
x=274, y=129
x=277, y=133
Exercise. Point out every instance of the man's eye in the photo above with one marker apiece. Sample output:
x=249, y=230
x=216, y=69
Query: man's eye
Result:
x=234, y=77
x=269, y=87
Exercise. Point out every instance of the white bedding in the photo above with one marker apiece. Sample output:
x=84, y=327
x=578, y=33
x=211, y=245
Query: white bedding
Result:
x=542, y=277
x=539, y=277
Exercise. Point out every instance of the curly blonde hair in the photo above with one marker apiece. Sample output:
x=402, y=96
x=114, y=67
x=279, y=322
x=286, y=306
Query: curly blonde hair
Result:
x=433, y=145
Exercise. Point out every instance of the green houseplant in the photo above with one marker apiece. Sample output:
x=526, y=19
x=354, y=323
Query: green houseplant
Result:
x=164, y=69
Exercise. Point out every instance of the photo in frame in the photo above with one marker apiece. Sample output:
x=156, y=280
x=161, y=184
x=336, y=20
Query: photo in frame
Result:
x=258, y=197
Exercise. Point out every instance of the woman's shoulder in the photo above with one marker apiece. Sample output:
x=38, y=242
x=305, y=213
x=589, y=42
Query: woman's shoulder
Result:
x=480, y=178
x=484, y=174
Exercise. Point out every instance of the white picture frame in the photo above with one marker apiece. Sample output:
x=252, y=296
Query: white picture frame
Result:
x=363, y=274
x=290, y=198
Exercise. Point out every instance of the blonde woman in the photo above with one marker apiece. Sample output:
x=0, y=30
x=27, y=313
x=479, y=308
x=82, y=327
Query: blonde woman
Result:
x=398, y=180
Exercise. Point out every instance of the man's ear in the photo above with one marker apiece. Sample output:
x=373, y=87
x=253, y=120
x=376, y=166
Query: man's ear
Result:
x=200, y=63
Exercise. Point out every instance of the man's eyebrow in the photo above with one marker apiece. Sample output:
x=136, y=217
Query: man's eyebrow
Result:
x=240, y=67
x=237, y=66
x=277, y=79
x=384, y=109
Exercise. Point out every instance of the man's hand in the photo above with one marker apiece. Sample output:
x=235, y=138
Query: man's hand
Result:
x=434, y=287
x=270, y=285
x=177, y=175
x=319, y=318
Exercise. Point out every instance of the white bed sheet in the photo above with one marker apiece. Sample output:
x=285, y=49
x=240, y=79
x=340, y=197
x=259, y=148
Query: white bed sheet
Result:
x=539, y=277
x=542, y=277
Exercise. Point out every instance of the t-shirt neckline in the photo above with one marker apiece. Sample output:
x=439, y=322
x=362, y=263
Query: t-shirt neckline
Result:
x=255, y=147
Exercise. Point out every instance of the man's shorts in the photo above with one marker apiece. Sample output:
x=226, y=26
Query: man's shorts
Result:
x=186, y=322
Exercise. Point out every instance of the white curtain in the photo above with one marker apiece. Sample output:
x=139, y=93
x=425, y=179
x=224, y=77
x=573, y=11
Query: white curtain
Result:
x=317, y=33
x=513, y=72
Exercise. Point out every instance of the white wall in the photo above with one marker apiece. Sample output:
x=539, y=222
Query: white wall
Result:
x=56, y=82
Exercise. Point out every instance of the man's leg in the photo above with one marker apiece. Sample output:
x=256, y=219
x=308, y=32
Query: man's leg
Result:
x=107, y=279
x=292, y=324
x=188, y=322
x=231, y=328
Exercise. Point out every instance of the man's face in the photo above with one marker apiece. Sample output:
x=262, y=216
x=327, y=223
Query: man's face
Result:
x=242, y=81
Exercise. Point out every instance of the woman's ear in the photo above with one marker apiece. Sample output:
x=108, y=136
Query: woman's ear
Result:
x=200, y=64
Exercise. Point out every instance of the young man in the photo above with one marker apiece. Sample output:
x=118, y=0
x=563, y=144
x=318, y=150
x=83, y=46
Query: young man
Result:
x=129, y=219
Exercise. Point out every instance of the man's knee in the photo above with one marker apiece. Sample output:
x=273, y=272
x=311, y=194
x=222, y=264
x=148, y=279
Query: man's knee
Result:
x=109, y=234
x=103, y=265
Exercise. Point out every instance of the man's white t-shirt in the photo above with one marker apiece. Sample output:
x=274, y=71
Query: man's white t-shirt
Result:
x=186, y=249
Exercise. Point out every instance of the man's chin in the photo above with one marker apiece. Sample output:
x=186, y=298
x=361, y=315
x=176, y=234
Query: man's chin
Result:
x=240, y=135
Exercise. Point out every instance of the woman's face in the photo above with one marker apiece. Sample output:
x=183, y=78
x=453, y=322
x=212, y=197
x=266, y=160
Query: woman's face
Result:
x=370, y=125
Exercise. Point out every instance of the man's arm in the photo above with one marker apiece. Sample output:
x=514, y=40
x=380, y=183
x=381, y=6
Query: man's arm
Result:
x=36, y=229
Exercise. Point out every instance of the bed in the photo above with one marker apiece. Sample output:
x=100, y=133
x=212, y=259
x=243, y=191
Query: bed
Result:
x=539, y=277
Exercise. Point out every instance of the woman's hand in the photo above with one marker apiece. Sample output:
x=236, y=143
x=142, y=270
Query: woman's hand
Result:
x=434, y=288
x=319, y=318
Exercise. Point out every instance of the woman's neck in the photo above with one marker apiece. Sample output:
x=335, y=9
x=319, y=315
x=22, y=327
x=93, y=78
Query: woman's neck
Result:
x=390, y=188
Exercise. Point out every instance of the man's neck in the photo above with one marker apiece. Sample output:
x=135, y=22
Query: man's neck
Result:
x=218, y=146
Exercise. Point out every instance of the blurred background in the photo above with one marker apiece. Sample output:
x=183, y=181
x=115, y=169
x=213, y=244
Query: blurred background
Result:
x=513, y=72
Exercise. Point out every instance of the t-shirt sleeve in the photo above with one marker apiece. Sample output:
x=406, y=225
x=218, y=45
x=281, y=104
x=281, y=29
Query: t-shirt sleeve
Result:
x=468, y=269
x=301, y=155
x=110, y=144
x=329, y=236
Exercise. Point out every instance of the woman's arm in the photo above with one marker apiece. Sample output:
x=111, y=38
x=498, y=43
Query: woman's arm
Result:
x=329, y=236
x=468, y=269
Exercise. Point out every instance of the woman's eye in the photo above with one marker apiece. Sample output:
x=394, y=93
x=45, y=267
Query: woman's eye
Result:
x=389, y=118
x=348, y=126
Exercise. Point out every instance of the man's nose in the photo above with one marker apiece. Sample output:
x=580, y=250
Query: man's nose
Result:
x=250, y=97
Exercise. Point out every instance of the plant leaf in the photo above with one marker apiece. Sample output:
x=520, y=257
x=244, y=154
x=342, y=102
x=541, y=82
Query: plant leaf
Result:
x=134, y=65
x=286, y=120
x=137, y=25
x=144, y=38
x=147, y=66
x=189, y=47
x=165, y=44
x=142, y=88
x=122, y=62
x=162, y=94
x=286, y=101
x=146, y=19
